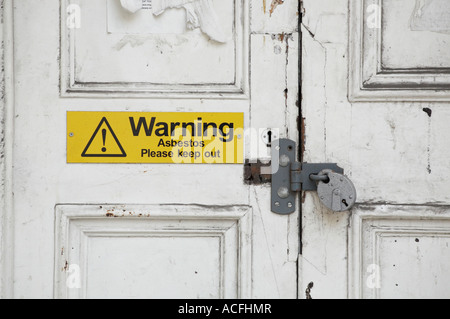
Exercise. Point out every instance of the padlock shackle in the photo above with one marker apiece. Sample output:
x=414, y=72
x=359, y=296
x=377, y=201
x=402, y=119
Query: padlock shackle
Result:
x=319, y=178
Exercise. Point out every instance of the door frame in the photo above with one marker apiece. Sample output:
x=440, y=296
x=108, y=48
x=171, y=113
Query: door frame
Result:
x=6, y=148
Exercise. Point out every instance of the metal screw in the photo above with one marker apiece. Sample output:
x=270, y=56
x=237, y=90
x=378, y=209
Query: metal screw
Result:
x=284, y=160
x=283, y=192
x=71, y=134
x=289, y=204
x=277, y=204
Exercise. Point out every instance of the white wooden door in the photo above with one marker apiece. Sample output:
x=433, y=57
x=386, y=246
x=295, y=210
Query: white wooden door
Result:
x=376, y=93
x=143, y=230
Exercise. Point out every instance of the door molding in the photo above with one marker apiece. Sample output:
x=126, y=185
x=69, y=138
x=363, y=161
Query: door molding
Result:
x=372, y=224
x=71, y=86
x=78, y=226
x=371, y=80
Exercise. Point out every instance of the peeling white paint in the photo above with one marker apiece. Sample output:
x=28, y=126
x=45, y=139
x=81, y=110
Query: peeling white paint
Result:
x=199, y=14
x=131, y=5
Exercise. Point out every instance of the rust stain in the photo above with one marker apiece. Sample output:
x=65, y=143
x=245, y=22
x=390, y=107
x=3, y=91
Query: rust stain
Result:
x=264, y=6
x=302, y=146
x=303, y=197
x=108, y=214
x=66, y=266
x=303, y=137
x=253, y=175
x=275, y=4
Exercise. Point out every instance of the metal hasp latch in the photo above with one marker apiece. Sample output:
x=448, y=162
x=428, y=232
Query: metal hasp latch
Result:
x=289, y=177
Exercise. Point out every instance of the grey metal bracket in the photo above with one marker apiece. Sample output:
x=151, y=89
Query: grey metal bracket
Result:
x=290, y=176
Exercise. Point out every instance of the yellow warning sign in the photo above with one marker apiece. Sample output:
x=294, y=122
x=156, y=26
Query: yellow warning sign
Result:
x=146, y=137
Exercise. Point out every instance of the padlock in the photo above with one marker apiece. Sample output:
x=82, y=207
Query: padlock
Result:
x=337, y=193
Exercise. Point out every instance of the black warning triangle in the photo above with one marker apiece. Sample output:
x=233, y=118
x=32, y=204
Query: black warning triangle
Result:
x=103, y=152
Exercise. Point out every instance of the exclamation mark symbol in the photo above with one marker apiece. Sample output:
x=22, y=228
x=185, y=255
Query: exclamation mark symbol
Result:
x=104, y=140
